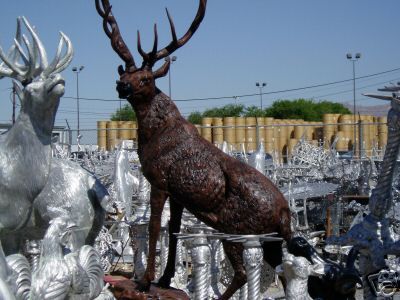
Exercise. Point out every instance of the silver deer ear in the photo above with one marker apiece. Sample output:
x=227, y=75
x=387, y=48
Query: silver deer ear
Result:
x=18, y=90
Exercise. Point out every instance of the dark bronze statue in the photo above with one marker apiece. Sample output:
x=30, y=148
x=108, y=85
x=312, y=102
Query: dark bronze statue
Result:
x=224, y=193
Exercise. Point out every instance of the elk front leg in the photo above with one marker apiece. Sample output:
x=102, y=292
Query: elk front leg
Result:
x=234, y=252
x=157, y=201
x=174, y=227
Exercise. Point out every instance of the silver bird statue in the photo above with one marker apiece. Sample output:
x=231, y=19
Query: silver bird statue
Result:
x=76, y=275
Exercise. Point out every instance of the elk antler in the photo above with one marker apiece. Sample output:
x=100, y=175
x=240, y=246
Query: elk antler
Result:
x=35, y=63
x=114, y=34
x=151, y=58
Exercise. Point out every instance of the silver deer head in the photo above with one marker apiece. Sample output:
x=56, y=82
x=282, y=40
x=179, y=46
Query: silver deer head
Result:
x=36, y=81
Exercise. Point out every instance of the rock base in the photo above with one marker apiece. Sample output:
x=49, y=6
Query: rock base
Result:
x=126, y=289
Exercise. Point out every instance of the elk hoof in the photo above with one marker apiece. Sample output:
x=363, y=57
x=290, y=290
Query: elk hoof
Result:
x=164, y=282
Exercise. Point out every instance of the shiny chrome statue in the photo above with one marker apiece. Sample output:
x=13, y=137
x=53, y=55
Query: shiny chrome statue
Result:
x=372, y=236
x=77, y=275
x=25, y=150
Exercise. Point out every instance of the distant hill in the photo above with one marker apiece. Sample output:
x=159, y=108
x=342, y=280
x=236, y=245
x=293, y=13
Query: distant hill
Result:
x=375, y=110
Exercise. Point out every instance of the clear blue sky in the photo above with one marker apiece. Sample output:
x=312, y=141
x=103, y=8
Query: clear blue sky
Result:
x=286, y=43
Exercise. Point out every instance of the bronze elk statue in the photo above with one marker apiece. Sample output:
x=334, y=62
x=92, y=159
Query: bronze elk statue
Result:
x=224, y=193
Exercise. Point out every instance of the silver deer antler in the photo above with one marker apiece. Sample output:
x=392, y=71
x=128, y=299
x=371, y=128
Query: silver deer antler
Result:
x=35, y=63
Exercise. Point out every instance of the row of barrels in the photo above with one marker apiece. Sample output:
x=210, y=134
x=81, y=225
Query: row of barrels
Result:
x=110, y=133
x=278, y=135
x=250, y=131
x=369, y=131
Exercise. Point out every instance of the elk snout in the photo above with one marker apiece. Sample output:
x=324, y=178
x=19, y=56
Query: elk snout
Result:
x=124, y=89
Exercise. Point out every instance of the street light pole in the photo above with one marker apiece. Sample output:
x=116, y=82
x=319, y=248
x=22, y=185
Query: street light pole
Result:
x=349, y=56
x=173, y=58
x=260, y=86
x=77, y=70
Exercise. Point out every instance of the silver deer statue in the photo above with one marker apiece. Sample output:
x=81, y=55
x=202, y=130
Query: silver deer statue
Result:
x=25, y=150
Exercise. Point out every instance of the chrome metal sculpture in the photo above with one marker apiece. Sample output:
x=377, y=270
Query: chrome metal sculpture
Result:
x=26, y=148
x=77, y=275
x=373, y=237
x=296, y=270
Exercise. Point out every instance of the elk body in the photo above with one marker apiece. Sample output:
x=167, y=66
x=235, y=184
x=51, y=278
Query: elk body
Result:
x=224, y=193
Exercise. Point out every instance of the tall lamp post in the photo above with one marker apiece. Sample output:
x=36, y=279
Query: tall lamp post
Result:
x=260, y=86
x=77, y=70
x=173, y=58
x=357, y=56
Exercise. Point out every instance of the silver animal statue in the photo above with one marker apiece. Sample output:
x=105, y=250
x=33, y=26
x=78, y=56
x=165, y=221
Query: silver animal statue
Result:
x=25, y=150
x=296, y=270
x=373, y=237
x=73, y=190
x=76, y=275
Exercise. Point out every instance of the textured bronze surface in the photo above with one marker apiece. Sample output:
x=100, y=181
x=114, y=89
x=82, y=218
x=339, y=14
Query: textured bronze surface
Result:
x=221, y=191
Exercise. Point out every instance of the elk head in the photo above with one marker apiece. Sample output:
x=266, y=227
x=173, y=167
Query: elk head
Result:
x=36, y=81
x=138, y=84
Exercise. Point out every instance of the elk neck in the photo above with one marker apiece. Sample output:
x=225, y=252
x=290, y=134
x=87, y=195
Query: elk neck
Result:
x=154, y=115
x=39, y=123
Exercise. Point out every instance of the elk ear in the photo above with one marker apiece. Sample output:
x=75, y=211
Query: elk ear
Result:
x=121, y=70
x=163, y=70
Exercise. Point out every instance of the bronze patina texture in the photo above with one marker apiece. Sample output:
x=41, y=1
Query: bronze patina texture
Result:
x=224, y=193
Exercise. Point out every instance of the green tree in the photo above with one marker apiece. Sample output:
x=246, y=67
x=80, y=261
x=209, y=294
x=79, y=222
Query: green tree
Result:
x=305, y=109
x=230, y=110
x=195, y=117
x=126, y=113
x=254, y=111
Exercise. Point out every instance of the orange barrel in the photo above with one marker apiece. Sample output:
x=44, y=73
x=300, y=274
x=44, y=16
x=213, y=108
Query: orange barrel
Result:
x=112, y=134
x=229, y=132
x=206, y=131
x=343, y=141
x=329, y=129
x=382, y=124
x=261, y=130
x=240, y=132
x=299, y=130
x=217, y=131
x=292, y=143
x=331, y=121
x=124, y=130
x=283, y=138
x=291, y=129
x=308, y=131
x=134, y=131
x=269, y=130
x=251, y=134
x=119, y=131
x=345, y=123
x=102, y=135
x=277, y=133
x=382, y=132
